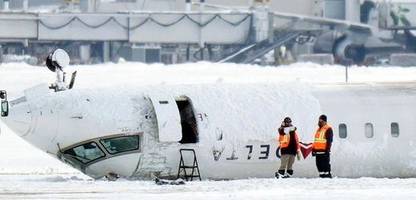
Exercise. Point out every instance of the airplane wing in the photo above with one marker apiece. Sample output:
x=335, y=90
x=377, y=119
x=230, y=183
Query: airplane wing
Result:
x=332, y=23
x=398, y=28
x=342, y=24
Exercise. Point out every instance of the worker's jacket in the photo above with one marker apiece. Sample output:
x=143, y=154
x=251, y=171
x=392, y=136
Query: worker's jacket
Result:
x=287, y=146
x=320, y=143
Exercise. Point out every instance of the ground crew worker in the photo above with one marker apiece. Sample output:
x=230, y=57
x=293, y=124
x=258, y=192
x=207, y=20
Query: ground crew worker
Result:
x=321, y=147
x=289, y=147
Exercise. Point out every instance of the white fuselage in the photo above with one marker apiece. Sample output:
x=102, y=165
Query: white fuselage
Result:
x=236, y=130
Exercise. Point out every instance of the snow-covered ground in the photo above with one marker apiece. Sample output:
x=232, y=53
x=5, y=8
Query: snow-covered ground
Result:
x=27, y=173
x=71, y=187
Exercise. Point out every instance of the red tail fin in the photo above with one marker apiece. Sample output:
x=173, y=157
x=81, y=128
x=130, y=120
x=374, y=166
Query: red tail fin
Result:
x=306, y=149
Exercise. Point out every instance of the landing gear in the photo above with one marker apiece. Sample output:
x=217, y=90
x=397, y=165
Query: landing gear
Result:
x=4, y=103
x=56, y=62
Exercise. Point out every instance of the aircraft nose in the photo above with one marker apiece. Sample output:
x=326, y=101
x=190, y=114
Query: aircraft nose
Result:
x=122, y=165
x=19, y=118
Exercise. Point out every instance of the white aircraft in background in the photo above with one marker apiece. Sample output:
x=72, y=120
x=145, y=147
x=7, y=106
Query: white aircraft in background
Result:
x=138, y=131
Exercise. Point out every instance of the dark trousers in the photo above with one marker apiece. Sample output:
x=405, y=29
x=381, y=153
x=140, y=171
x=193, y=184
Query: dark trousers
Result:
x=322, y=162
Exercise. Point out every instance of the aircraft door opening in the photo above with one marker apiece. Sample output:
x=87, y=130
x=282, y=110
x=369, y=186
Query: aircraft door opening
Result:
x=188, y=121
x=168, y=119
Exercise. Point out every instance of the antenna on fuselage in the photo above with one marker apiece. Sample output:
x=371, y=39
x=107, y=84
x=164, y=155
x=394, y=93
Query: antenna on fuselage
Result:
x=56, y=62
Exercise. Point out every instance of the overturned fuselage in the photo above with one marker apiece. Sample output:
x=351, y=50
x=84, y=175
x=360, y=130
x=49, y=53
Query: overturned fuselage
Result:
x=137, y=131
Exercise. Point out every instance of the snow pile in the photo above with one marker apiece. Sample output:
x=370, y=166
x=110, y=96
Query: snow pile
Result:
x=20, y=157
x=110, y=74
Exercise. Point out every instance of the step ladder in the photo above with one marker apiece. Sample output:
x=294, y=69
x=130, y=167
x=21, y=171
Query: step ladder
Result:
x=182, y=167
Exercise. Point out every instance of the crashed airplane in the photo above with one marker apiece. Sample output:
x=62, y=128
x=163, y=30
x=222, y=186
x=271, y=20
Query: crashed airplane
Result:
x=218, y=131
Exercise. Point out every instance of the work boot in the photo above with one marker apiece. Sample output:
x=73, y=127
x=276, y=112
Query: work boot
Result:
x=329, y=175
x=326, y=175
x=288, y=174
x=280, y=174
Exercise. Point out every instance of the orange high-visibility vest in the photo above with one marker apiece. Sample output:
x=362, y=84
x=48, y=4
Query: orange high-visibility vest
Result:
x=319, y=143
x=284, y=140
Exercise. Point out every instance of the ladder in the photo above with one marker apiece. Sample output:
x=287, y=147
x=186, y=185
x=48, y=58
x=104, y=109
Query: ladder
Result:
x=182, y=167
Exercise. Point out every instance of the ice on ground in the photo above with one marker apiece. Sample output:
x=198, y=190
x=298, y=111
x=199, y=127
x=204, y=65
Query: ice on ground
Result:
x=57, y=187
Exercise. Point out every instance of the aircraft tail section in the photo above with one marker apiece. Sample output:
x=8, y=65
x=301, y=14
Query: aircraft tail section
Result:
x=306, y=149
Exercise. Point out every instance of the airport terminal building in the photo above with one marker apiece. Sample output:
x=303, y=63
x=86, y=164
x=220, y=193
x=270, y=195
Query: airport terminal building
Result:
x=177, y=31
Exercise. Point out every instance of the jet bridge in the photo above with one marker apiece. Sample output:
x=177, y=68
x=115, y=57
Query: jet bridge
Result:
x=137, y=27
x=239, y=36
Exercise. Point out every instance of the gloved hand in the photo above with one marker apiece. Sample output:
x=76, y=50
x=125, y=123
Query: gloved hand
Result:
x=313, y=153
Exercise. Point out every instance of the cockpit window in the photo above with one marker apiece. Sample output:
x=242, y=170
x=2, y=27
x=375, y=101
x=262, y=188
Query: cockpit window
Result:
x=121, y=144
x=86, y=152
